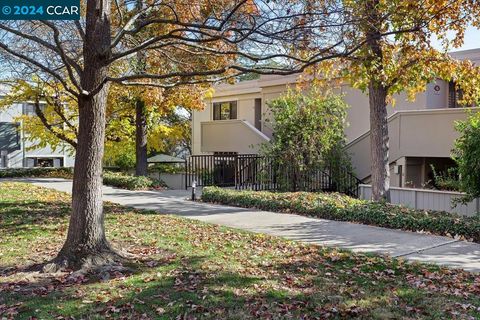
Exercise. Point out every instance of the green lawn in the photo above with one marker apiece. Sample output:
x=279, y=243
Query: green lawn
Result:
x=190, y=270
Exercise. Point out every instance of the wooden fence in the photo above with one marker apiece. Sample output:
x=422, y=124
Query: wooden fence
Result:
x=426, y=199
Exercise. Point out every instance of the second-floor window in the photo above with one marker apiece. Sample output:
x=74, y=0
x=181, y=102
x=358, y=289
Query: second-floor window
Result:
x=225, y=110
x=29, y=109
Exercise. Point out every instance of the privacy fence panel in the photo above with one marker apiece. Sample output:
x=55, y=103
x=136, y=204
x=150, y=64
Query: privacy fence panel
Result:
x=425, y=199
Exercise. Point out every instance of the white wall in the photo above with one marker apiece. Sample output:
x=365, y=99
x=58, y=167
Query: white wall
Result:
x=231, y=136
x=8, y=115
x=425, y=133
x=437, y=95
x=246, y=109
x=197, y=118
x=358, y=117
x=271, y=88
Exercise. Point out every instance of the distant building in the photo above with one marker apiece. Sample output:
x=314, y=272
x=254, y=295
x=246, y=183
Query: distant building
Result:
x=15, y=149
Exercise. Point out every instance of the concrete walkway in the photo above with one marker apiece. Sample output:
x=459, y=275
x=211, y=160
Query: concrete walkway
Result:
x=356, y=237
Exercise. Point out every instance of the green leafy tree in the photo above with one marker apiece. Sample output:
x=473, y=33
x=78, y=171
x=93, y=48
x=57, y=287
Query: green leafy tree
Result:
x=309, y=134
x=466, y=153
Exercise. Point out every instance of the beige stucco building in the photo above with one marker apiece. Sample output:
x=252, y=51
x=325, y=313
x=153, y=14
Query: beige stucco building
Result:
x=421, y=132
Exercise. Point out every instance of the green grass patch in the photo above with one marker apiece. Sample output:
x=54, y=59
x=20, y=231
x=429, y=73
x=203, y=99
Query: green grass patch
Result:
x=335, y=206
x=186, y=269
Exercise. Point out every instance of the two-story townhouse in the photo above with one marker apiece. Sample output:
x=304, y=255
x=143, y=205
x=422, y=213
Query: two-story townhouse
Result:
x=421, y=132
x=16, y=151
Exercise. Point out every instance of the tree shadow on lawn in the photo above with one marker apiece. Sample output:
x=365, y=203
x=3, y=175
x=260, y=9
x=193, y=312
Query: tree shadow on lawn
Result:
x=308, y=286
x=32, y=232
x=185, y=291
x=45, y=295
x=274, y=278
x=180, y=291
x=23, y=216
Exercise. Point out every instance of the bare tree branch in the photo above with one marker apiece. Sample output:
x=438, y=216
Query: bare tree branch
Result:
x=39, y=65
x=69, y=63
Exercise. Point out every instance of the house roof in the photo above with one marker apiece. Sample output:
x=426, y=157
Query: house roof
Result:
x=165, y=158
x=254, y=86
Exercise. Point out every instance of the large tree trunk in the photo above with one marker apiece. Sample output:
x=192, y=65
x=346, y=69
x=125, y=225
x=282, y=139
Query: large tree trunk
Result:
x=140, y=139
x=379, y=141
x=377, y=93
x=140, y=115
x=86, y=244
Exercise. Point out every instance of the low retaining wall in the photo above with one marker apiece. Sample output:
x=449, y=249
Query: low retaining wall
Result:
x=425, y=199
x=174, y=181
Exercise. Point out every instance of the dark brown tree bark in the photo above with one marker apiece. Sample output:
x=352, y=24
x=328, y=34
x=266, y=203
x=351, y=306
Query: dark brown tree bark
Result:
x=86, y=244
x=141, y=164
x=140, y=139
x=377, y=92
x=379, y=141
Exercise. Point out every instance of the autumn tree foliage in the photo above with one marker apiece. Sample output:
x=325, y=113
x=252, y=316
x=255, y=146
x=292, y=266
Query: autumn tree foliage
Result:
x=86, y=57
x=54, y=122
x=161, y=126
x=403, y=61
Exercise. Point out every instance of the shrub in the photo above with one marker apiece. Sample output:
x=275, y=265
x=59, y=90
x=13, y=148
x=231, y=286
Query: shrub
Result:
x=110, y=178
x=37, y=172
x=125, y=161
x=304, y=145
x=130, y=182
x=335, y=206
x=167, y=168
x=466, y=154
x=447, y=180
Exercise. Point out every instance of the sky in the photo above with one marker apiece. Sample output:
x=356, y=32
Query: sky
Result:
x=472, y=40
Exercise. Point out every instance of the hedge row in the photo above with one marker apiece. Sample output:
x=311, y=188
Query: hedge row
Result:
x=334, y=206
x=114, y=179
x=37, y=172
x=130, y=182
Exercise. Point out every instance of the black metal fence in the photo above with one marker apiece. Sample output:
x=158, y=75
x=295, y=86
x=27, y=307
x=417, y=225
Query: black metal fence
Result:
x=254, y=172
x=212, y=170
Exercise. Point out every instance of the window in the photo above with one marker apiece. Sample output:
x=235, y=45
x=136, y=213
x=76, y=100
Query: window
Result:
x=3, y=159
x=9, y=136
x=225, y=110
x=29, y=109
x=44, y=162
x=455, y=94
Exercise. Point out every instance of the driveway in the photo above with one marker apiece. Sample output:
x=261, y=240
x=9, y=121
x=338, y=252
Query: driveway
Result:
x=356, y=237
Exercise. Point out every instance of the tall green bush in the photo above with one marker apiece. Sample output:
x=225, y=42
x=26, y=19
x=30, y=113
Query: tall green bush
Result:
x=308, y=128
x=466, y=154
